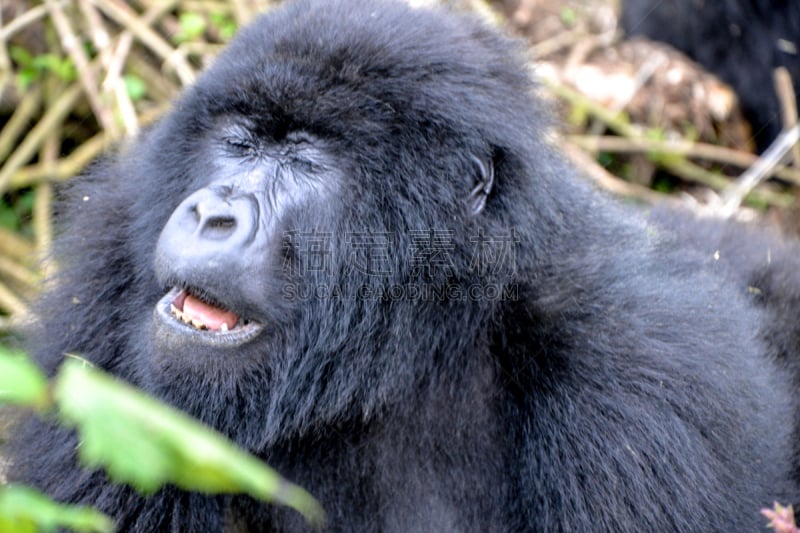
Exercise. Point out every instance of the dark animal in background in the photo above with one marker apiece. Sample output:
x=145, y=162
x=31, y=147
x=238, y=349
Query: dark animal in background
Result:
x=402, y=297
x=741, y=41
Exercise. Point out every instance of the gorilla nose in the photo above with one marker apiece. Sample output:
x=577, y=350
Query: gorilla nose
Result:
x=216, y=220
x=213, y=227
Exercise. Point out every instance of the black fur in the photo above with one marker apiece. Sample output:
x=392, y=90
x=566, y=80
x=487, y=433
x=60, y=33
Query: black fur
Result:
x=741, y=41
x=762, y=265
x=617, y=384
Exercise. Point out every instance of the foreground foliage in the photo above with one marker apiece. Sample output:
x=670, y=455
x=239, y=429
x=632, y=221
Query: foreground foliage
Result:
x=137, y=440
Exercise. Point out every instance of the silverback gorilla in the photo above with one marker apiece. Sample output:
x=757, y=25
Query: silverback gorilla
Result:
x=351, y=248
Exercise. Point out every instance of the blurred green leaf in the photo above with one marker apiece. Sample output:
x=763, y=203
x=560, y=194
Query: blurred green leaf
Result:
x=24, y=510
x=225, y=24
x=568, y=17
x=25, y=201
x=605, y=159
x=60, y=66
x=147, y=444
x=21, y=56
x=26, y=72
x=664, y=185
x=16, y=209
x=192, y=26
x=30, y=68
x=8, y=217
x=21, y=382
x=135, y=87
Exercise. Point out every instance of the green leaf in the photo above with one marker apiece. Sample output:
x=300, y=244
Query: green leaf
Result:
x=568, y=17
x=227, y=26
x=27, y=73
x=20, y=56
x=25, y=201
x=135, y=87
x=62, y=67
x=191, y=26
x=664, y=185
x=8, y=217
x=24, y=510
x=31, y=68
x=147, y=444
x=21, y=382
x=27, y=76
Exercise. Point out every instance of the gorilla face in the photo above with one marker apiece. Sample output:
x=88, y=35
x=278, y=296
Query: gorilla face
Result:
x=290, y=143
x=221, y=248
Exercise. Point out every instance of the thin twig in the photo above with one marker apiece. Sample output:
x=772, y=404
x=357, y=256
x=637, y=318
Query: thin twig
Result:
x=785, y=90
x=608, y=181
x=65, y=168
x=18, y=272
x=28, y=17
x=772, y=157
x=76, y=161
x=618, y=123
x=558, y=42
x=697, y=150
x=11, y=302
x=97, y=31
x=114, y=81
x=74, y=48
x=42, y=213
x=54, y=116
x=5, y=62
x=14, y=246
x=27, y=107
x=125, y=16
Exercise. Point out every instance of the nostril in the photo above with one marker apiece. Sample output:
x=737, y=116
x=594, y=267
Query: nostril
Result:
x=221, y=223
x=217, y=227
x=206, y=219
x=210, y=209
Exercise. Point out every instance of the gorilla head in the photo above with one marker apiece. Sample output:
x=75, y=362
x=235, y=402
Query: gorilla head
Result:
x=287, y=143
x=351, y=248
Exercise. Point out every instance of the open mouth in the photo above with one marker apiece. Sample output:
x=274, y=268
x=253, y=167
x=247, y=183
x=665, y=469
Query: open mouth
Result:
x=204, y=321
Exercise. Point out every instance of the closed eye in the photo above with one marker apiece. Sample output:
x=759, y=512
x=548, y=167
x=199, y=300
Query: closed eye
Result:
x=304, y=165
x=240, y=147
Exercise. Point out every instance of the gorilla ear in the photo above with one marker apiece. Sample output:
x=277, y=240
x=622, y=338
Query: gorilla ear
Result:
x=483, y=185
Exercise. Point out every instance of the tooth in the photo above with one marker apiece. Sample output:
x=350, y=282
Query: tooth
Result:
x=186, y=318
x=198, y=324
x=224, y=327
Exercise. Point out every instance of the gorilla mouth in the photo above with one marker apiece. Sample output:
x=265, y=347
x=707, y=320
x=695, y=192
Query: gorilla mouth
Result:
x=202, y=315
x=210, y=323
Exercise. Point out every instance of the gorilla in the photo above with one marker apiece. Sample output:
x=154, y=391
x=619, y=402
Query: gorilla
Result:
x=741, y=41
x=353, y=249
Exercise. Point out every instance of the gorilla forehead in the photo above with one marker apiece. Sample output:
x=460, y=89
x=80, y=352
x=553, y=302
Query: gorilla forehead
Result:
x=373, y=63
